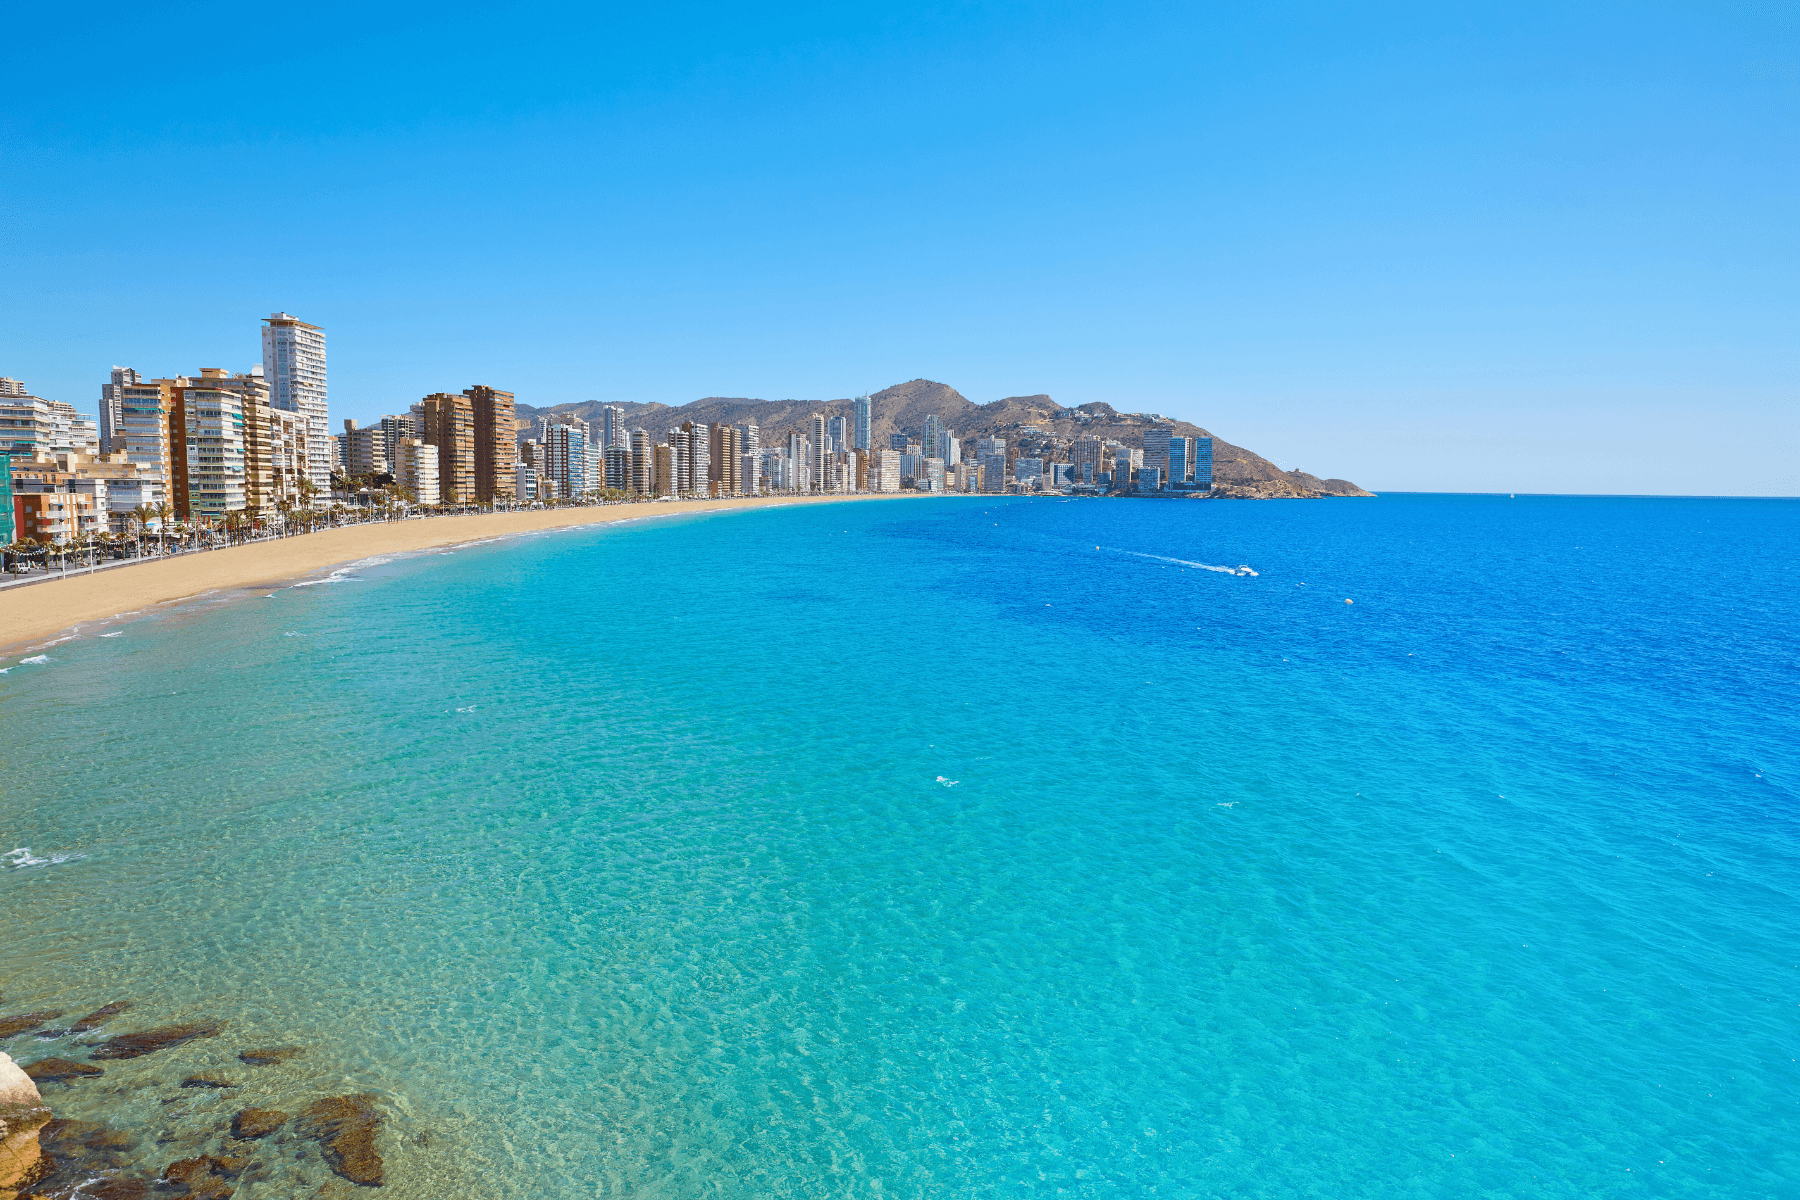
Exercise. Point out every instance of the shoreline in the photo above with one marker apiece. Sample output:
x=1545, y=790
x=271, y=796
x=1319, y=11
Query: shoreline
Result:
x=54, y=607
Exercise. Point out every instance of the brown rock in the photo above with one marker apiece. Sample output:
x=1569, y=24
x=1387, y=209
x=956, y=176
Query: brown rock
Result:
x=202, y=1177
x=74, y=1153
x=270, y=1057
x=135, y=1045
x=257, y=1122
x=99, y=1016
x=48, y=1070
x=206, y=1081
x=19, y=1022
x=344, y=1127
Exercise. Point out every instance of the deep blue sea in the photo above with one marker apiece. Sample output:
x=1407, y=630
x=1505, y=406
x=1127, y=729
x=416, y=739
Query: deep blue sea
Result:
x=958, y=848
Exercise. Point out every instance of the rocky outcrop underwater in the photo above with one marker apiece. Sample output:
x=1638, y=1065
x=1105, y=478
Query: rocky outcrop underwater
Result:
x=198, y=1140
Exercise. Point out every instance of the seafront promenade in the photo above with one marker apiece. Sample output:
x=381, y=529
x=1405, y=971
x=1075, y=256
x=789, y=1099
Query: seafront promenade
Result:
x=54, y=603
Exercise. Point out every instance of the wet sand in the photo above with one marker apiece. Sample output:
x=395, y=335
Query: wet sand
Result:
x=44, y=610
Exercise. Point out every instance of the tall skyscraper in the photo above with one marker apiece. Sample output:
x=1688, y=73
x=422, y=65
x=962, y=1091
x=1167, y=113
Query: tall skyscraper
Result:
x=643, y=463
x=863, y=414
x=1156, y=447
x=699, y=461
x=839, y=429
x=1181, y=463
x=449, y=424
x=294, y=364
x=1203, y=462
x=566, y=458
x=934, y=426
x=821, y=481
x=612, y=427
x=724, y=466
x=496, y=443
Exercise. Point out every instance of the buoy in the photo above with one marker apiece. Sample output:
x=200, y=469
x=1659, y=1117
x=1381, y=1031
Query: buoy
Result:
x=1349, y=602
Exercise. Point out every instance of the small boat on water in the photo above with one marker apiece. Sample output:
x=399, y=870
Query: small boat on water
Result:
x=1243, y=569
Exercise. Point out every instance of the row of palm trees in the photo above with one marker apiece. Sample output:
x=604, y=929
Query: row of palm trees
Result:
x=152, y=530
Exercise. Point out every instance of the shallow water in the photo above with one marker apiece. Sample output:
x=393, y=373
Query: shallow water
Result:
x=927, y=849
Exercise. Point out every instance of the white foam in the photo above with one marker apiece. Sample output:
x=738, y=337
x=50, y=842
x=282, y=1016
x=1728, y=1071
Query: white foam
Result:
x=36, y=660
x=114, y=633
x=22, y=856
x=1182, y=562
x=947, y=782
x=341, y=575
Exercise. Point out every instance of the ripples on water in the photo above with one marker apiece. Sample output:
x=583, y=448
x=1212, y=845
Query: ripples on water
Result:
x=626, y=862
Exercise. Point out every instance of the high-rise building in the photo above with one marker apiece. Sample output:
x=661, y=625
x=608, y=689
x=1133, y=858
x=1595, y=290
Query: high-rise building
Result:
x=643, y=463
x=699, y=451
x=948, y=448
x=838, y=429
x=27, y=424
x=934, y=426
x=496, y=442
x=862, y=413
x=207, y=435
x=723, y=460
x=898, y=441
x=993, y=472
x=667, y=481
x=1150, y=479
x=1087, y=455
x=990, y=445
x=931, y=475
x=612, y=426
x=134, y=422
x=365, y=450
x=1156, y=447
x=566, y=458
x=393, y=428
x=1180, y=461
x=820, y=480
x=1203, y=462
x=294, y=364
x=886, y=472
x=616, y=468
x=416, y=470
x=1027, y=470
x=449, y=424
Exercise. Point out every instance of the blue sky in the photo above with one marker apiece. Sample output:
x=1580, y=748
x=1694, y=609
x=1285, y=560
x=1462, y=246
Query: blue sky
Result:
x=1514, y=247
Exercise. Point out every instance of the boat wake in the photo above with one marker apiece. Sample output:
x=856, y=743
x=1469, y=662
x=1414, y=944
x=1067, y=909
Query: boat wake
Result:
x=1199, y=566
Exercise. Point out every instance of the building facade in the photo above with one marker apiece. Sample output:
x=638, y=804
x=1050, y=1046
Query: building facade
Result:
x=294, y=364
x=449, y=424
x=496, y=443
x=862, y=414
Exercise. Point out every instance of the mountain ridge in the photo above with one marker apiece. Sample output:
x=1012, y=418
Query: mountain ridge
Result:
x=903, y=408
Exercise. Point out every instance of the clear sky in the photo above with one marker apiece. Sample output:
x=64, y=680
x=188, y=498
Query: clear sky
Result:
x=1512, y=246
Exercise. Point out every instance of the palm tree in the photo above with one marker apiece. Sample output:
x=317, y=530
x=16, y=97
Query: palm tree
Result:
x=162, y=526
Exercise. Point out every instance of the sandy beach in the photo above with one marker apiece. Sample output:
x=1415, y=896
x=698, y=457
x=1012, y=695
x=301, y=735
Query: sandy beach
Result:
x=44, y=610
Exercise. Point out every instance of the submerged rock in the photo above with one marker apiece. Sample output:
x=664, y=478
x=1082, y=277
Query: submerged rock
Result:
x=74, y=1154
x=48, y=1070
x=99, y=1016
x=22, y=1114
x=20, y=1022
x=344, y=1127
x=135, y=1045
x=206, y=1081
x=204, y=1176
x=270, y=1057
x=257, y=1122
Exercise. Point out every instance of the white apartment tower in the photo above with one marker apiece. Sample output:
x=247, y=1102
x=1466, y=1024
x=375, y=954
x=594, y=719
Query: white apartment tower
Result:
x=294, y=363
x=612, y=427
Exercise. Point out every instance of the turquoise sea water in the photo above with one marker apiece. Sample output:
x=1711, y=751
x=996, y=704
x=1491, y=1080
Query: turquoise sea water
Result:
x=959, y=848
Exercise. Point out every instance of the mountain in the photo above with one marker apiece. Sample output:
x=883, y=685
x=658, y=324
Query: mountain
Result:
x=904, y=407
